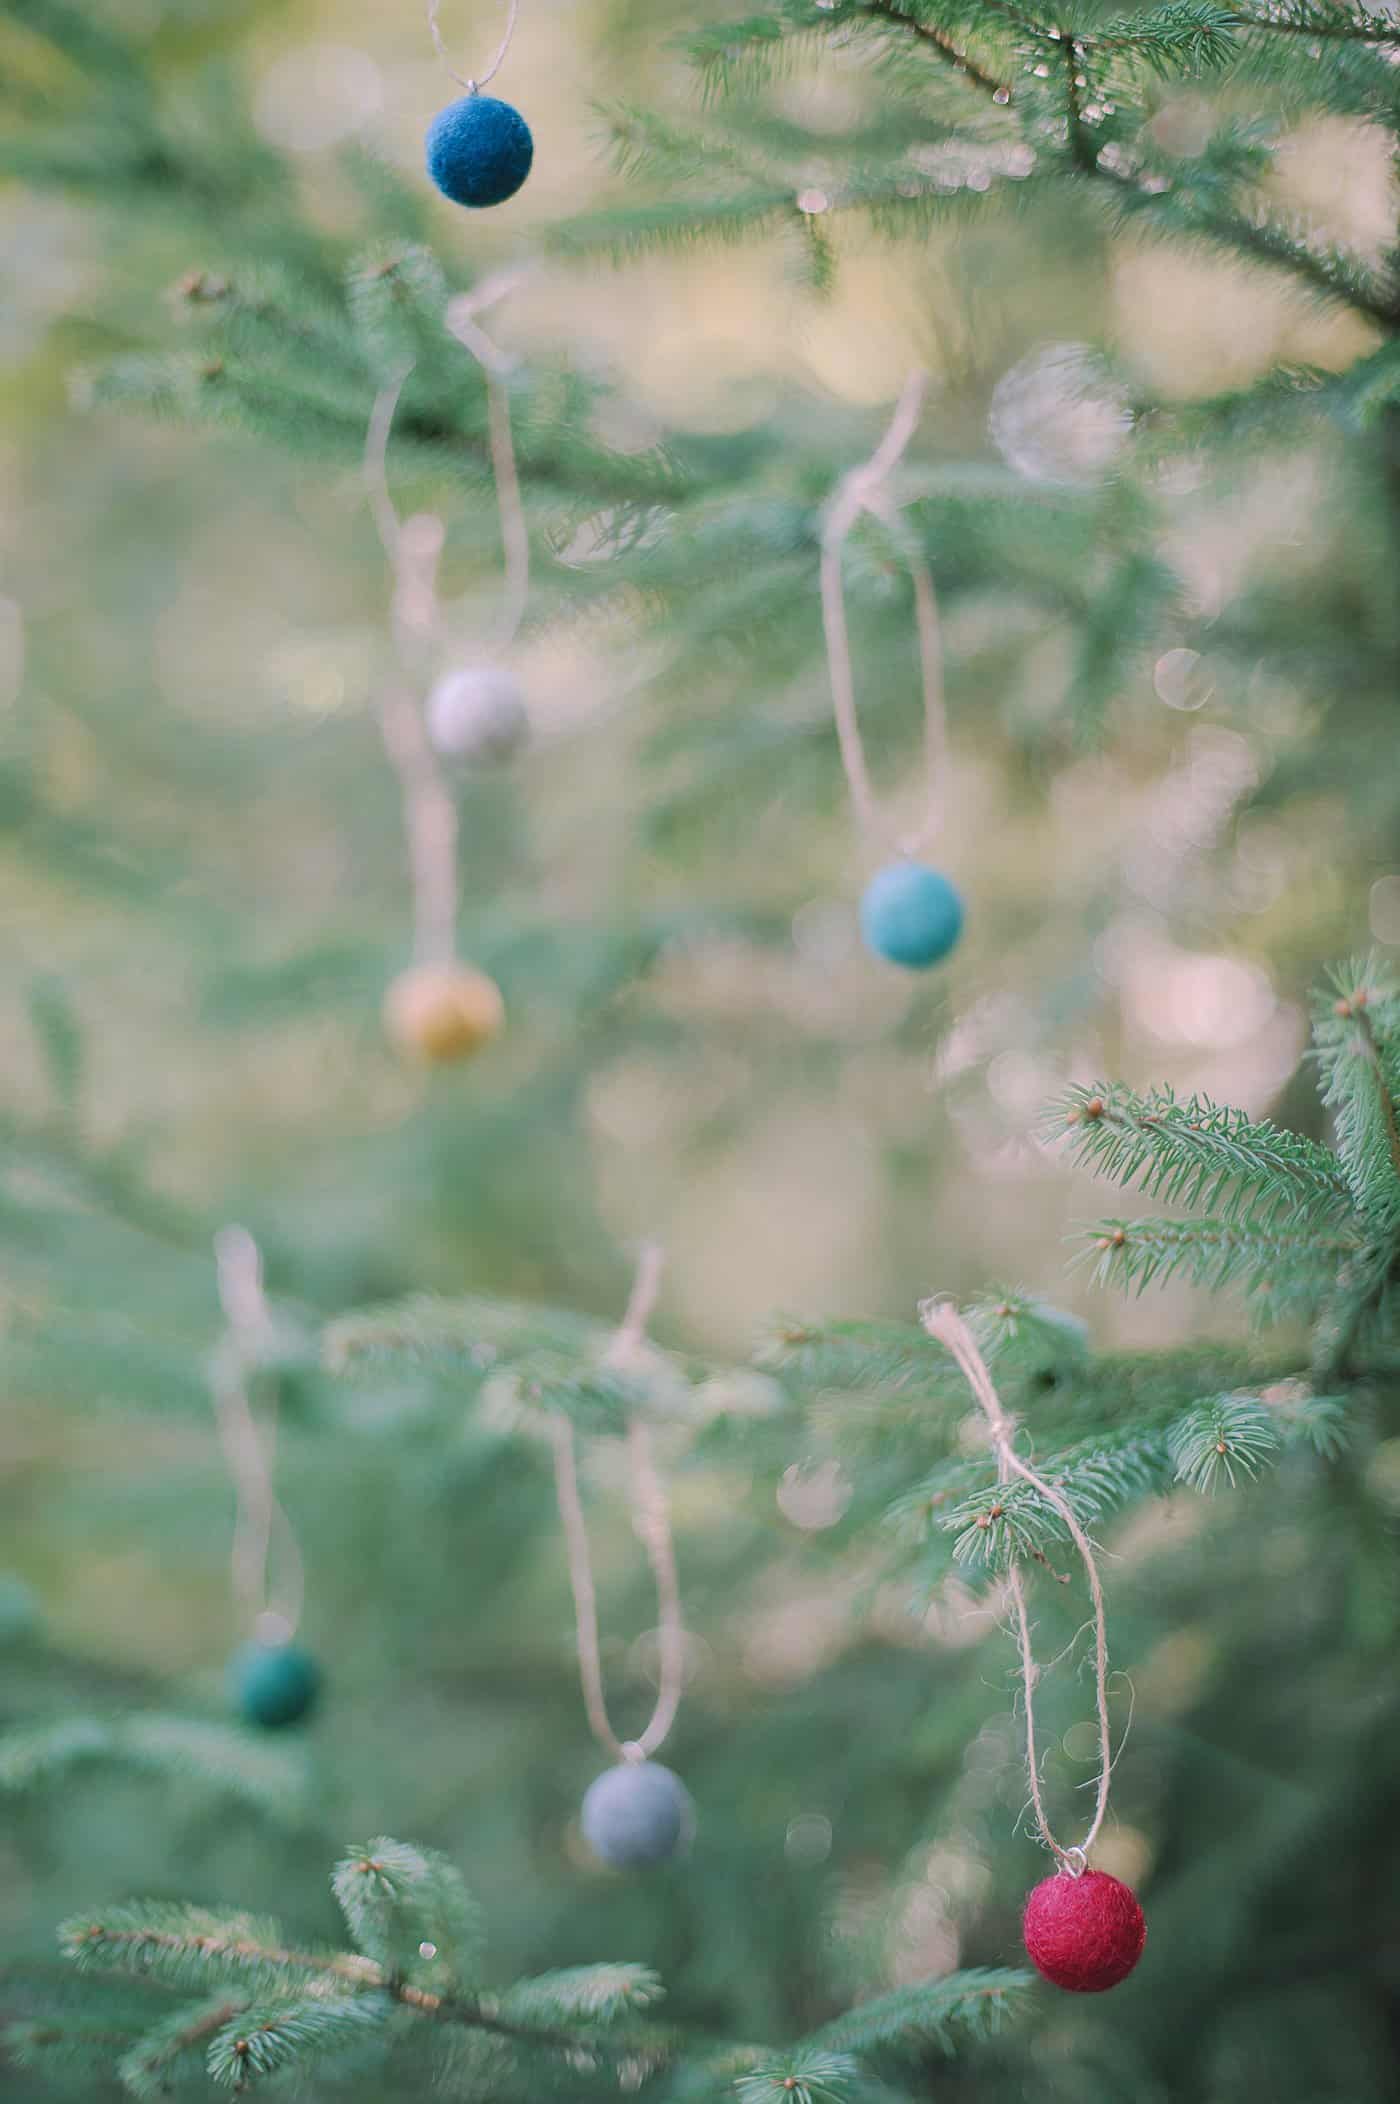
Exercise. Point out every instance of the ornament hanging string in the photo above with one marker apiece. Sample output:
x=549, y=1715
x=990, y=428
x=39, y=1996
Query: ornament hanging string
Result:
x=651, y=1520
x=867, y=489
x=942, y=1321
x=413, y=548
x=496, y=366
x=249, y=1449
x=473, y=82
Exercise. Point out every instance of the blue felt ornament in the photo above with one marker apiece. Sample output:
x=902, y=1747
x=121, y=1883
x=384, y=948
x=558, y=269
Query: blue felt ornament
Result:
x=910, y=915
x=273, y=1685
x=479, y=150
x=636, y=1815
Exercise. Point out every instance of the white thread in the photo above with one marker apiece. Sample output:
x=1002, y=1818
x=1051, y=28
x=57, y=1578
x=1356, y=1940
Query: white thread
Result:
x=473, y=82
x=249, y=1451
x=429, y=813
x=651, y=1520
x=866, y=488
x=943, y=1322
x=496, y=366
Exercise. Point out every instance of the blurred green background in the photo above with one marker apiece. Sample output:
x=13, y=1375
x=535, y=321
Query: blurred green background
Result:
x=205, y=896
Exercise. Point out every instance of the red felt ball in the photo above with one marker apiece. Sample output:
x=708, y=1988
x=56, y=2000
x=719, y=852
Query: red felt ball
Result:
x=1083, y=1933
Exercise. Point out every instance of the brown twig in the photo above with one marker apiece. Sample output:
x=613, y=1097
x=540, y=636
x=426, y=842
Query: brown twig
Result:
x=938, y=40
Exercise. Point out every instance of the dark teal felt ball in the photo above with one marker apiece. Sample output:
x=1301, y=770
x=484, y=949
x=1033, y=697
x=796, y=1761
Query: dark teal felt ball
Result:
x=479, y=150
x=910, y=915
x=636, y=1814
x=273, y=1684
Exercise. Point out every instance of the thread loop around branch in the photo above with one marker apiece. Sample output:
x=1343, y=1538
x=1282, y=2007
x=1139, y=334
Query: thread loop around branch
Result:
x=943, y=1322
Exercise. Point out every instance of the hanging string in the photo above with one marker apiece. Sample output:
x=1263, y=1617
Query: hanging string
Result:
x=867, y=489
x=249, y=1450
x=496, y=367
x=479, y=80
x=650, y=1518
x=413, y=548
x=430, y=816
x=943, y=1322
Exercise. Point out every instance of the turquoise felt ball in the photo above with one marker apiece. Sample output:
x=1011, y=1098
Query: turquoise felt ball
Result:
x=636, y=1814
x=273, y=1684
x=911, y=915
x=479, y=150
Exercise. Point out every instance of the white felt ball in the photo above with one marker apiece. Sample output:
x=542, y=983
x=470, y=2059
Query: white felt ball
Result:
x=477, y=713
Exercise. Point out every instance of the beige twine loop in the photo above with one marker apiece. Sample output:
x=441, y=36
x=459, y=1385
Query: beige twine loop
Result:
x=651, y=1519
x=474, y=82
x=412, y=548
x=867, y=489
x=943, y=1322
x=249, y=1450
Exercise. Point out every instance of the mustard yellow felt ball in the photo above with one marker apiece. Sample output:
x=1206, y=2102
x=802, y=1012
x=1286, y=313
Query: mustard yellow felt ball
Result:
x=443, y=1012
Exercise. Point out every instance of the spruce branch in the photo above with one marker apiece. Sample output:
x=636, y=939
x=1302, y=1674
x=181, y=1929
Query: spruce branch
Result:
x=149, y=2068
x=409, y=1910
x=803, y=2076
x=187, y=1947
x=1225, y=1437
x=939, y=41
x=1199, y=1153
x=1357, y=1038
x=1283, y=1267
x=1082, y=151
x=582, y=1994
x=1192, y=36
x=259, y=2042
x=1330, y=273
x=936, y=2016
x=1324, y=22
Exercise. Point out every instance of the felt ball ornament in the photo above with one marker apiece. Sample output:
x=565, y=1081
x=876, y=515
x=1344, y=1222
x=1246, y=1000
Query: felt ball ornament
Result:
x=479, y=150
x=442, y=1012
x=1085, y=1933
x=910, y=915
x=273, y=1685
x=636, y=1814
x=477, y=714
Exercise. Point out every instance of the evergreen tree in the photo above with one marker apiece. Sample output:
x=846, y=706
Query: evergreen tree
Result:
x=205, y=849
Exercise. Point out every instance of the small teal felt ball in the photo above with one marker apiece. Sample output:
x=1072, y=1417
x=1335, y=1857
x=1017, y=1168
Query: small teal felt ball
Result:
x=910, y=915
x=273, y=1684
x=636, y=1814
x=479, y=150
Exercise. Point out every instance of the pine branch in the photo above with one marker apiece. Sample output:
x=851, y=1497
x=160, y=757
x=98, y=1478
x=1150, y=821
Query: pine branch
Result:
x=586, y=1994
x=1198, y=1153
x=260, y=2042
x=216, y=1756
x=1082, y=152
x=1224, y=1438
x=149, y=2068
x=802, y=2076
x=1285, y=1268
x=939, y=41
x=1333, y=276
x=1191, y=37
x=939, y=2016
x=1297, y=18
x=409, y=1910
x=1357, y=1040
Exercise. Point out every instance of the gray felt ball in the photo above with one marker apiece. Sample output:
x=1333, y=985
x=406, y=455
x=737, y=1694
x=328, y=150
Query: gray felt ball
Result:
x=477, y=713
x=637, y=1814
